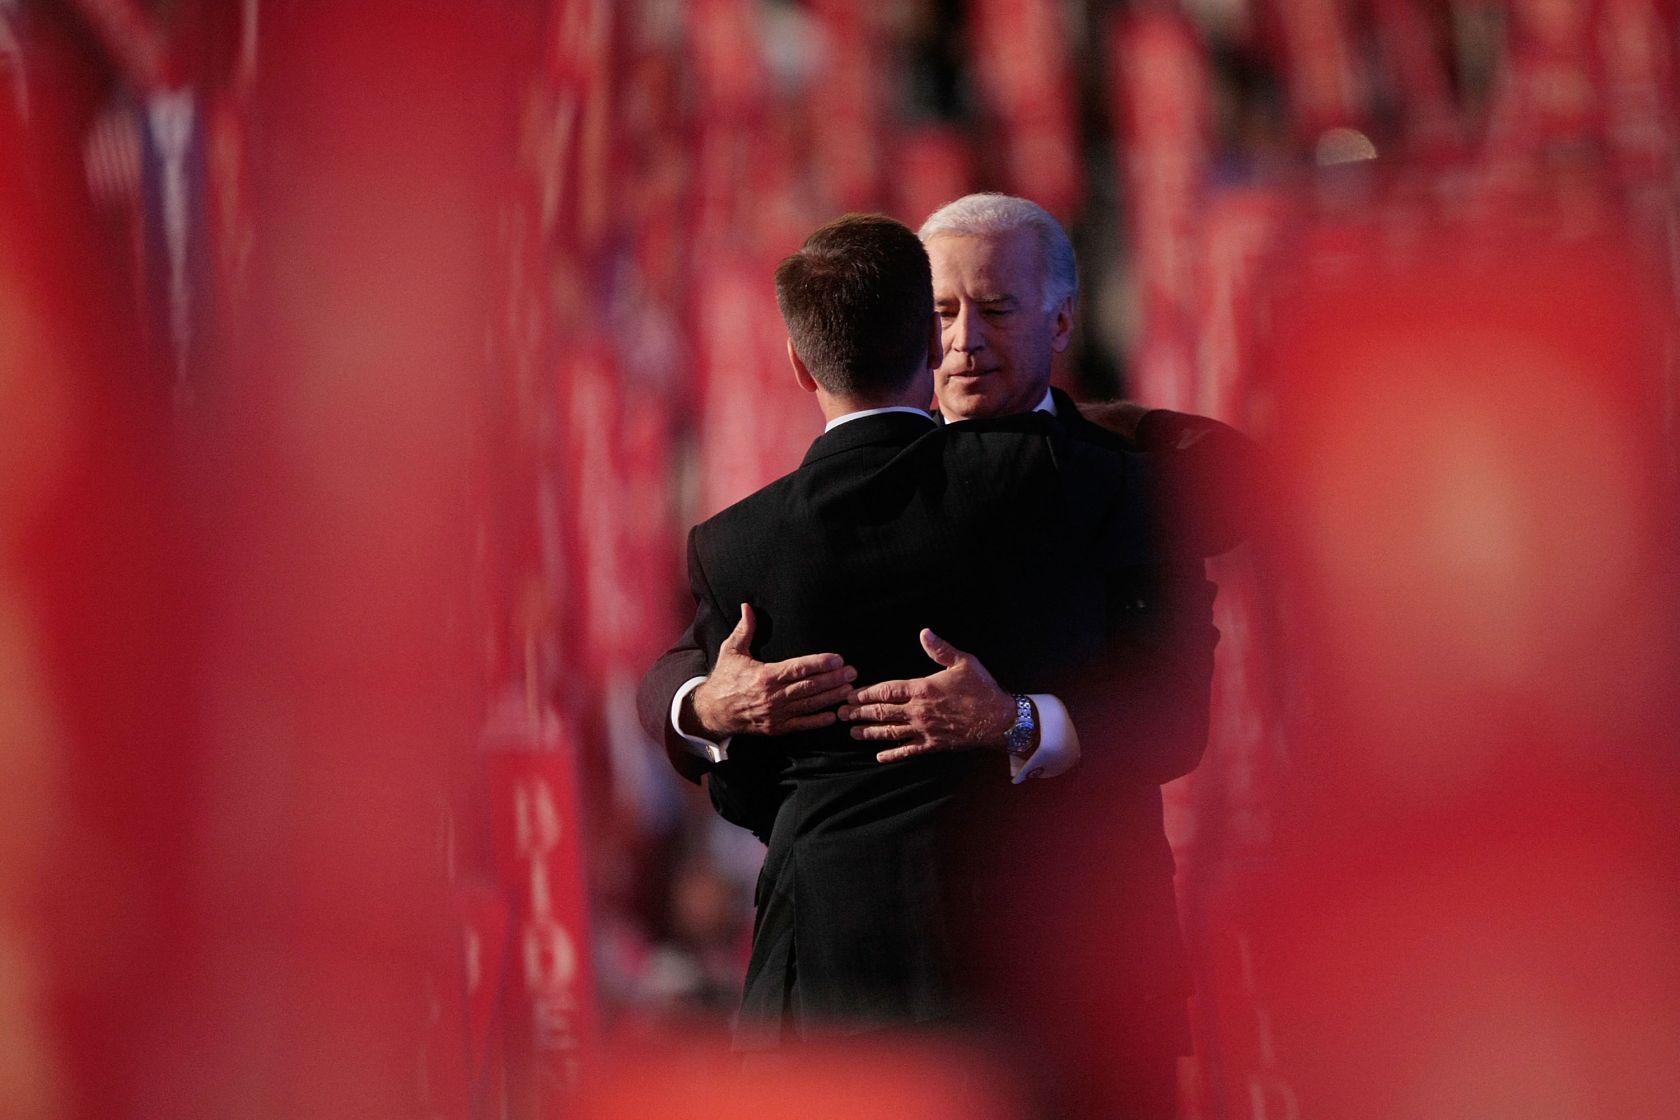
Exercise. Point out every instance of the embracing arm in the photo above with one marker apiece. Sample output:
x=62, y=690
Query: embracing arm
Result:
x=1144, y=703
x=1211, y=477
x=1140, y=705
x=695, y=709
x=960, y=707
x=735, y=693
x=694, y=701
x=654, y=700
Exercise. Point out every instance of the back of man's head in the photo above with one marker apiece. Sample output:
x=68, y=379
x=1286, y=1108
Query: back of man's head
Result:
x=858, y=302
x=989, y=214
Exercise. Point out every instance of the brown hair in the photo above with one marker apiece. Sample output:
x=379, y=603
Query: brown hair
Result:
x=858, y=302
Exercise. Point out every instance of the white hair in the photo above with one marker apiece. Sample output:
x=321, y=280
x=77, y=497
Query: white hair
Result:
x=990, y=214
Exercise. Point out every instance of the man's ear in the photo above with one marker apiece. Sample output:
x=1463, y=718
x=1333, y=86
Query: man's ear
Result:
x=936, y=344
x=800, y=373
x=1061, y=326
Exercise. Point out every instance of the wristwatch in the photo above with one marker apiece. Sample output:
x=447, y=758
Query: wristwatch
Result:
x=1018, y=740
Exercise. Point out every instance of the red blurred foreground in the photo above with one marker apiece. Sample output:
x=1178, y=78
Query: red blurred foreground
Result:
x=356, y=377
x=1471, y=909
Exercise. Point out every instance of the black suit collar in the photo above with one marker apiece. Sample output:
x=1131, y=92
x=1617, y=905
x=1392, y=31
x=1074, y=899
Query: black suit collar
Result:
x=886, y=429
x=1066, y=411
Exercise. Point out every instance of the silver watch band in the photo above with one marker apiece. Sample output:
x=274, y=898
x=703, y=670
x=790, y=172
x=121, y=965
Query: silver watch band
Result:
x=1018, y=740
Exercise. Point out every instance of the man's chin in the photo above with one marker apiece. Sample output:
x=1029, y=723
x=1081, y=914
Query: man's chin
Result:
x=957, y=404
x=983, y=397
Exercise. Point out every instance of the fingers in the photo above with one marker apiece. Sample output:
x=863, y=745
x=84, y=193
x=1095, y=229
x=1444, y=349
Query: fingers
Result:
x=807, y=723
x=739, y=640
x=816, y=701
x=900, y=753
x=882, y=732
x=874, y=713
x=781, y=673
x=942, y=652
x=884, y=692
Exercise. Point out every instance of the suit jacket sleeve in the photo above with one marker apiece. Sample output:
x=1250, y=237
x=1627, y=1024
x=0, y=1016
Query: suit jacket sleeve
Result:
x=681, y=663
x=1143, y=708
x=1147, y=707
x=741, y=790
x=1210, y=477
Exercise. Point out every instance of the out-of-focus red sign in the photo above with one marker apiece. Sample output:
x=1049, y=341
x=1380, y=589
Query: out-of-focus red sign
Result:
x=1471, y=909
x=539, y=861
x=1021, y=57
x=1162, y=101
x=1322, y=82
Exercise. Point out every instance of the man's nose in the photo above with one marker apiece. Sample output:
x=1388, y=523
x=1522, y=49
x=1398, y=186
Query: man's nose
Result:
x=966, y=333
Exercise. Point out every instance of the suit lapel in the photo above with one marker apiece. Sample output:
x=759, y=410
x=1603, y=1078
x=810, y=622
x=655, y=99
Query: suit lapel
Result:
x=1070, y=418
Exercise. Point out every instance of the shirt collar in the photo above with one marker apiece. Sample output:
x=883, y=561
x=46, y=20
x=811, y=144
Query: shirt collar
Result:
x=859, y=415
x=1048, y=404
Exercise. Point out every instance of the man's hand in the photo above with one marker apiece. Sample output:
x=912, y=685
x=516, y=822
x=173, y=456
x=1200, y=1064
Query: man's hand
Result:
x=744, y=696
x=960, y=706
x=1119, y=417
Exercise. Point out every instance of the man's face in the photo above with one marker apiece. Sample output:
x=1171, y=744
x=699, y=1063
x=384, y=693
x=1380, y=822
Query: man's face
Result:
x=998, y=340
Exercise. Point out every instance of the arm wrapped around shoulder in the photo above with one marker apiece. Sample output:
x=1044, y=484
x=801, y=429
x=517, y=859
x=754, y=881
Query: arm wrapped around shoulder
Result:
x=1211, y=479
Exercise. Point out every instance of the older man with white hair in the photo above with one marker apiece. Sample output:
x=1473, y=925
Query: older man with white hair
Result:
x=1005, y=290
x=1074, y=949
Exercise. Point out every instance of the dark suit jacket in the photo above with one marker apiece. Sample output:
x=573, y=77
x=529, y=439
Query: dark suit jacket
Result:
x=1193, y=472
x=1079, y=869
x=1001, y=536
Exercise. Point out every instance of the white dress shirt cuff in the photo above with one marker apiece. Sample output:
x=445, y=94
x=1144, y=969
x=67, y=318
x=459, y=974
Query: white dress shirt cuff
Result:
x=705, y=748
x=1058, y=743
